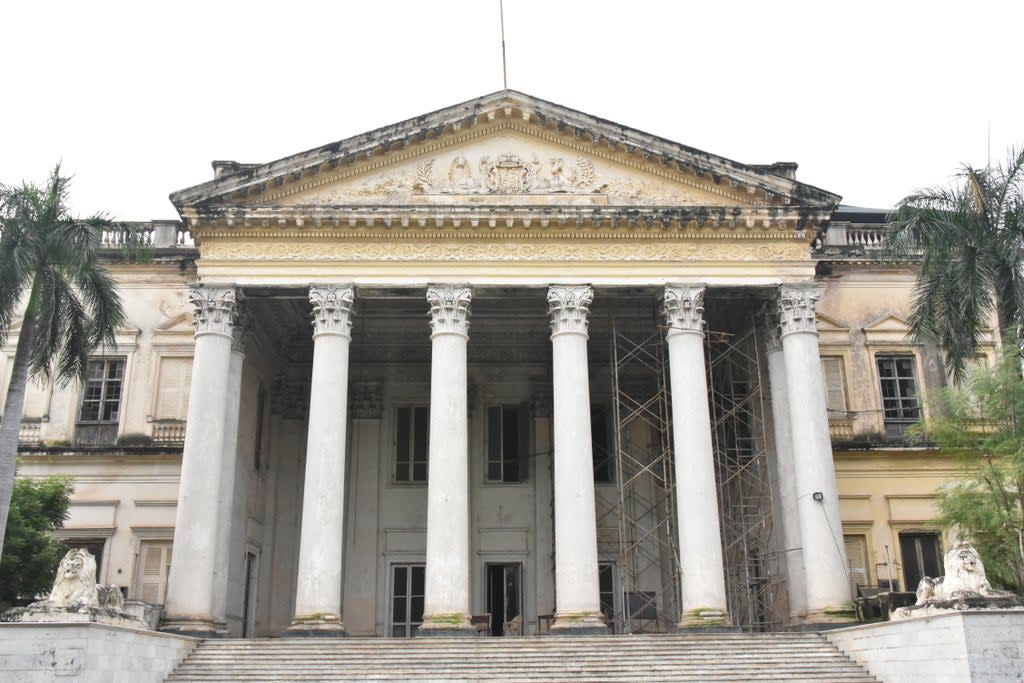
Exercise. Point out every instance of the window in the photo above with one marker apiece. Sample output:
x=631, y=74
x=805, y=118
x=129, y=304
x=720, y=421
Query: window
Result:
x=900, y=403
x=602, y=445
x=407, y=583
x=835, y=385
x=101, y=400
x=175, y=383
x=152, y=566
x=856, y=561
x=411, y=444
x=921, y=552
x=507, y=436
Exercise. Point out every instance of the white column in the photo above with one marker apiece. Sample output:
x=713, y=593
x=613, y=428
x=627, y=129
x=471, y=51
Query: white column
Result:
x=446, y=599
x=191, y=594
x=700, y=538
x=577, y=591
x=227, y=547
x=816, y=495
x=785, y=471
x=318, y=587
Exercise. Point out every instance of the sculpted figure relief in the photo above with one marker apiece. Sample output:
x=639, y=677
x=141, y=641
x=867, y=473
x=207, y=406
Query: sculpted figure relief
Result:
x=506, y=173
x=965, y=578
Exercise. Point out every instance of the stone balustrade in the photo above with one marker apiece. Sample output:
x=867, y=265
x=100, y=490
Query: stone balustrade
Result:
x=168, y=431
x=30, y=432
x=153, y=234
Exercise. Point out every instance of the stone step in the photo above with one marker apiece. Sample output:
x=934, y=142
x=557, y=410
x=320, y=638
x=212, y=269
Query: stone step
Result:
x=654, y=658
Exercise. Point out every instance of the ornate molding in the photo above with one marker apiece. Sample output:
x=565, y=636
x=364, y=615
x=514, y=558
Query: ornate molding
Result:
x=797, y=309
x=241, y=331
x=214, y=309
x=332, y=309
x=684, y=309
x=769, y=319
x=449, y=309
x=366, y=400
x=569, y=306
x=532, y=251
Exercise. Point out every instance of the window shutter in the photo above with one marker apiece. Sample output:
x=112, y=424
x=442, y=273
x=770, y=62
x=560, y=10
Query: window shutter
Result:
x=857, y=561
x=835, y=394
x=525, y=446
x=175, y=382
x=35, y=400
x=154, y=565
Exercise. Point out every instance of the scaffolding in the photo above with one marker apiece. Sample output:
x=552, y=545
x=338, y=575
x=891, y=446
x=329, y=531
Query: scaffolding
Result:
x=754, y=584
x=644, y=511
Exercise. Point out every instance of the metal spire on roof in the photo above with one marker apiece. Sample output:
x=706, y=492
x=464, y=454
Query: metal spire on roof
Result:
x=504, y=66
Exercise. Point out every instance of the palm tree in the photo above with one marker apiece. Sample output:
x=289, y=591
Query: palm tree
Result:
x=970, y=239
x=51, y=274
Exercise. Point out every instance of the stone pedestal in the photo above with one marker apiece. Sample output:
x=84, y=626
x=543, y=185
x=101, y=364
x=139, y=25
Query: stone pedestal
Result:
x=446, y=592
x=577, y=592
x=192, y=603
x=700, y=541
x=817, y=497
x=319, y=585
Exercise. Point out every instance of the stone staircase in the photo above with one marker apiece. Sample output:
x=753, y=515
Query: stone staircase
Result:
x=647, y=658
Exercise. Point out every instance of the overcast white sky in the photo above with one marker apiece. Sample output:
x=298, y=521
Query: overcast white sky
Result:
x=873, y=99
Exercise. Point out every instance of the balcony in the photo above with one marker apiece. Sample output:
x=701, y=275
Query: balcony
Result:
x=30, y=432
x=155, y=235
x=168, y=431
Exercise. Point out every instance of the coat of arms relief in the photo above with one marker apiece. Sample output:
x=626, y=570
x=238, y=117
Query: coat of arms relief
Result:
x=510, y=174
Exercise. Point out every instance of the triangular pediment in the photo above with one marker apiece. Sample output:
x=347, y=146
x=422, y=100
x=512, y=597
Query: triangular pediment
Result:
x=889, y=329
x=832, y=331
x=504, y=149
x=179, y=324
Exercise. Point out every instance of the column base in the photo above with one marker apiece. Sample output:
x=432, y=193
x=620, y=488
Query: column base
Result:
x=704, y=618
x=824, y=620
x=194, y=628
x=446, y=626
x=316, y=626
x=579, y=624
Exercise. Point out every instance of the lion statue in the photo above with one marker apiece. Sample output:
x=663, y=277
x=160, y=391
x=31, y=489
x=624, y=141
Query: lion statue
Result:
x=965, y=578
x=75, y=583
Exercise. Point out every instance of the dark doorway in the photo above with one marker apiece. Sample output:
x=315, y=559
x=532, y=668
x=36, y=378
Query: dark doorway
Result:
x=407, y=583
x=504, y=596
x=249, y=596
x=922, y=556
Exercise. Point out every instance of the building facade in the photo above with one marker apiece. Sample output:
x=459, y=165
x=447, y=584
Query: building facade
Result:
x=503, y=359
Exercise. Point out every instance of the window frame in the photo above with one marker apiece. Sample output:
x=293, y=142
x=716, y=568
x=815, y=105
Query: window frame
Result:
x=893, y=356
x=103, y=400
x=411, y=461
x=518, y=464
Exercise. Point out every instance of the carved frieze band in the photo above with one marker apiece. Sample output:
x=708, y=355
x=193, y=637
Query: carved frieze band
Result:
x=332, y=309
x=366, y=400
x=569, y=308
x=797, y=309
x=449, y=309
x=214, y=309
x=684, y=309
x=453, y=251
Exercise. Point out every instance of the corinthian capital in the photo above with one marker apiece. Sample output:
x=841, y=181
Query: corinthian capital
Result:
x=214, y=309
x=241, y=330
x=796, y=309
x=449, y=309
x=684, y=309
x=569, y=307
x=332, y=309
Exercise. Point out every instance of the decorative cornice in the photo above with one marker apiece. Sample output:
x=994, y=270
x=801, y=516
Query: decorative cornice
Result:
x=684, y=309
x=332, y=309
x=569, y=306
x=366, y=400
x=796, y=309
x=749, y=220
x=449, y=309
x=214, y=309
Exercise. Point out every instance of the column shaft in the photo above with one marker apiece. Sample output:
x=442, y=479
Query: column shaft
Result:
x=577, y=591
x=700, y=540
x=821, y=531
x=319, y=585
x=191, y=603
x=446, y=598
x=785, y=471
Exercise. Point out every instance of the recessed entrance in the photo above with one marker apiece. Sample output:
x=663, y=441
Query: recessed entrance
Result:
x=504, y=598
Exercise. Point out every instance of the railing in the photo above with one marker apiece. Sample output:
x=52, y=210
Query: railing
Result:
x=158, y=234
x=30, y=432
x=840, y=425
x=168, y=431
x=867, y=237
